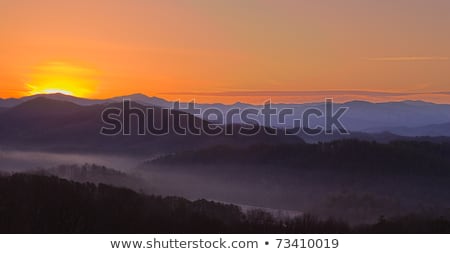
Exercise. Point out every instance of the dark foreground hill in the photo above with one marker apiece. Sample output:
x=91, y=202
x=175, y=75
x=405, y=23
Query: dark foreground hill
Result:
x=399, y=157
x=42, y=204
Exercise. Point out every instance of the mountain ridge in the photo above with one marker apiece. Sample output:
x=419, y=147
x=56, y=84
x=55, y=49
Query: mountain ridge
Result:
x=51, y=125
x=8, y=102
x=362, y=116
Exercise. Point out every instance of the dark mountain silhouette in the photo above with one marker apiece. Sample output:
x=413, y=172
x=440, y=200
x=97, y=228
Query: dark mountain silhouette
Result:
x=53, y=125
x=12, y=102
x=400, y=157
x=41, y=106
x=432, y=130
x=380, y=137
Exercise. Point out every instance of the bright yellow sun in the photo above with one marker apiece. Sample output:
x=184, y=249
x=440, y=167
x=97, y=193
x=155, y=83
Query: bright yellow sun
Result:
x=36, y=90
x=62, y=77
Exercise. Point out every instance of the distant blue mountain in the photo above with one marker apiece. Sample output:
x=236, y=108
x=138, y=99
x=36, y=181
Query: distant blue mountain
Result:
x=406, y=118
x=432, y=130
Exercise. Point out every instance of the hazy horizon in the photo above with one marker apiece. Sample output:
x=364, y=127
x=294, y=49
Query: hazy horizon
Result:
x=277, y=97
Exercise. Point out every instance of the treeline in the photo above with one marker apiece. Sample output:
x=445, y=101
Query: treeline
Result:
x=43, y=204
x=96, y=174
x=410, y=157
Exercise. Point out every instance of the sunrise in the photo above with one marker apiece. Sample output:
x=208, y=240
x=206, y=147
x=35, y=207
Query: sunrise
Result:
x=61, y=77
x=167, y=49
x=252, y=126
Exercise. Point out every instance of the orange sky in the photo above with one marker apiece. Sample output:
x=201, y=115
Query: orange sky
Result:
x=227, y=50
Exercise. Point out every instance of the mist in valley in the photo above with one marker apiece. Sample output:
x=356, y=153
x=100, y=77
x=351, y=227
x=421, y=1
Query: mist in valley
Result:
x=355, y=198
x=22, y=161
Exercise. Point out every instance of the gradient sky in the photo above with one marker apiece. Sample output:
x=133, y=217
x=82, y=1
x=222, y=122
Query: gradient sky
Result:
x=227, y=50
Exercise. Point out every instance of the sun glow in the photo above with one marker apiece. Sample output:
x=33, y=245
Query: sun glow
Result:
x=62, y=77
x=35, y=90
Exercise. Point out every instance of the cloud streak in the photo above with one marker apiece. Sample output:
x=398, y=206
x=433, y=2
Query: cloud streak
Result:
x=409, y=59
x=308, y=93
x=257, y=97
